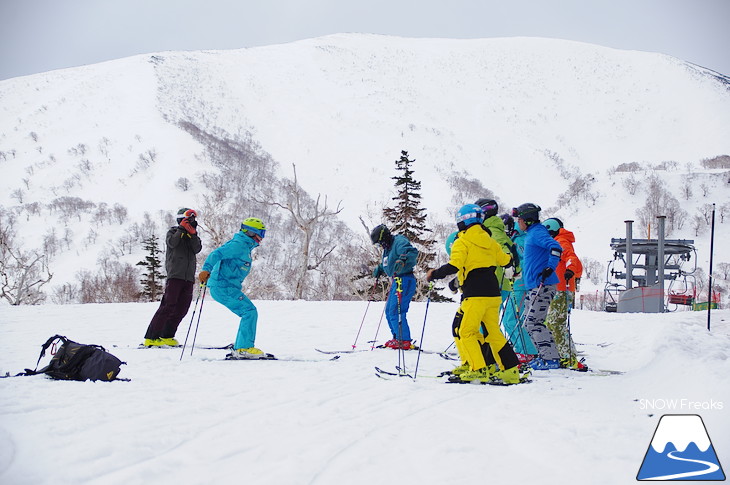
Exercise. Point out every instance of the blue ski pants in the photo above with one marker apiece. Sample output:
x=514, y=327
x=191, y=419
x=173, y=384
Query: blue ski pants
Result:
x=513, y=308
x=237, y=302
x=408, y=289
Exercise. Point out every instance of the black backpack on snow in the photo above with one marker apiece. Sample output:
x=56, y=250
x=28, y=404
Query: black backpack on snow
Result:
x=78, y=362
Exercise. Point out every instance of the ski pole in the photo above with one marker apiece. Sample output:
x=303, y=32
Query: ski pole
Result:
x=401, y=351
x=195, y=309
x=423, y=330
x=526, y=315
x=447, y=348
x=518, y=319
x=377, y=329
x=370, y=299
x=197, y=324
x=569, y=303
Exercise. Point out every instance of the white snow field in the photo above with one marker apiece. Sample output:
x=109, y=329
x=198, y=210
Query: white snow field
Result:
x=312, y=420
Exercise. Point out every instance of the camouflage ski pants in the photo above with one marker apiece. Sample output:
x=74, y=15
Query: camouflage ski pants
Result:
x=537, y=303
x=557, y=322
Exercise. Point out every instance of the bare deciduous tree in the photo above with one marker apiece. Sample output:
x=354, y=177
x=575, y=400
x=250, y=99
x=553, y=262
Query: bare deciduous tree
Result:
x=631, y=184
x=593, y=270
x=114, y=282
x=307, y=215
x=22, y=273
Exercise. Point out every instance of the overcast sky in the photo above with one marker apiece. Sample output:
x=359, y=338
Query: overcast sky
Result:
x=42, y=35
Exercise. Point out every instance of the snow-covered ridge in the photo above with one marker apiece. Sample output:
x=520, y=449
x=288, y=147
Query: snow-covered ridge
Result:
x=516, y=113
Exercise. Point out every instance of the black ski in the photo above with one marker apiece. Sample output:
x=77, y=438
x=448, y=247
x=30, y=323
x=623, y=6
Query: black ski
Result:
x=266, y=357
x=382, y=373
x=340, y=351
x=142, y=346
x=210, y=347
x=524, y=379
x=416, y=348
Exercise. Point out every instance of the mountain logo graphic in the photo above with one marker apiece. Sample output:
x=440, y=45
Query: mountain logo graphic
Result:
x=681, y=450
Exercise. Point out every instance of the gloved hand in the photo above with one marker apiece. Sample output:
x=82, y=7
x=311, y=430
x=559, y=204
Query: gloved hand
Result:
x=454, y=285
x=546, y=273
x=509, y=272
x=203, y=277
x=568, y=274
x=377, y=272
x=429, y=275
x=189, y=225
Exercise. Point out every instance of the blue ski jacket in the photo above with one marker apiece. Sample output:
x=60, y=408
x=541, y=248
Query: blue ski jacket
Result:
x=399, y=259
x=541, y=251
x=230, y=264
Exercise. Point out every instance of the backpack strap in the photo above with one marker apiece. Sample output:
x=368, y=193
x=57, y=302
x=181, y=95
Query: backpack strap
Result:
x=44, y=347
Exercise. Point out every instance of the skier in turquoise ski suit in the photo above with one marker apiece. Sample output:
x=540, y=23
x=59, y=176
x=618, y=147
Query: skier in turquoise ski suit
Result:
x=398, y=261
x=227, y=267
x=515, y=304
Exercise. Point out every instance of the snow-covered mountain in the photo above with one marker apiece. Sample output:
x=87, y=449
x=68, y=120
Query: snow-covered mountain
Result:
x=527, y=117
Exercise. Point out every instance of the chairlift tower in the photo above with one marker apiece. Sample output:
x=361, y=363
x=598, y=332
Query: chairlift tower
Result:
x=648, y=264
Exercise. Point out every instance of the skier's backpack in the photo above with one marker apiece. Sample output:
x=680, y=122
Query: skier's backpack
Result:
x=77, y=362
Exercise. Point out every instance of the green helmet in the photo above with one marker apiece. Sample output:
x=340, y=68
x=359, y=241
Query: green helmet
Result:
x=253, y=226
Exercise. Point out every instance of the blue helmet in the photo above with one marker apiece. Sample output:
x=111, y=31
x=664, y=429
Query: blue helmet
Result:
x=553, y=225
x=469, y=215
x=450, y=241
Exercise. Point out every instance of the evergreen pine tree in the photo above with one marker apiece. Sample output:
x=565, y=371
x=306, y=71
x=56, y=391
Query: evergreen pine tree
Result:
x=152, y=289
x=408, y=218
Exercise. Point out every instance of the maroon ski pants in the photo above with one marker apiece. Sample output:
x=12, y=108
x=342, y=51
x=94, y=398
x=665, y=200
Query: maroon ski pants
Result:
x=173, y=307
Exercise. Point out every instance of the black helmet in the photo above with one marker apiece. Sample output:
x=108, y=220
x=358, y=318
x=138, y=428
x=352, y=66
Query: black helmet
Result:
x=528, y=212
x=509, y=223
x=380, y=235
x=489, y=206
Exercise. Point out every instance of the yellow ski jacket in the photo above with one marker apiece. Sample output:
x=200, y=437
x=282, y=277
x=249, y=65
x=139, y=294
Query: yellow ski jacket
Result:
x=475, y=256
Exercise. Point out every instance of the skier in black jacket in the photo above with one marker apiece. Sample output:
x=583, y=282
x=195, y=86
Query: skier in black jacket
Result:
x=183, y=243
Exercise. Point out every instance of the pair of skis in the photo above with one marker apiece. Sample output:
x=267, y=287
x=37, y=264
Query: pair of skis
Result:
x=443, y=355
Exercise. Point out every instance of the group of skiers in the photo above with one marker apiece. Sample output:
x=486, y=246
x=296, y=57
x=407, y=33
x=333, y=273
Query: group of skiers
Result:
x=526, y=272
x=510, y=265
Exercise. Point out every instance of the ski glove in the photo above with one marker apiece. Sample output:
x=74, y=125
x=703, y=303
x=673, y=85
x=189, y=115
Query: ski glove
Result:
x=189, y=225
x=203, y=277
x=546, y=273
x=568, y=274
x=454, y=285
x=509, y=272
